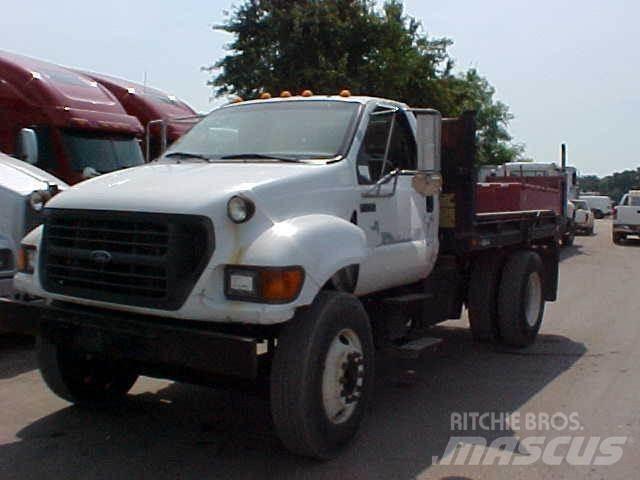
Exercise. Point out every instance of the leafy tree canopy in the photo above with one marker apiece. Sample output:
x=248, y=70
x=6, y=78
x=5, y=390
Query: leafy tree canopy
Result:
x=329, y=45
x=614, y=185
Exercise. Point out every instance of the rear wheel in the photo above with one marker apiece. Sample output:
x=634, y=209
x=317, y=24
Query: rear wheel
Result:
x=322, y=376
x=79, y=379
x=618, y=237
x=598, y=214
x=483, y=297
x=521, y=299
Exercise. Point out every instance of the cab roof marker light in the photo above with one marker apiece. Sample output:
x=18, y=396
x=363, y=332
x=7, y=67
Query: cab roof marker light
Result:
x=285, y=94
x=345, y=93
x=307, y=93
x=265, y=96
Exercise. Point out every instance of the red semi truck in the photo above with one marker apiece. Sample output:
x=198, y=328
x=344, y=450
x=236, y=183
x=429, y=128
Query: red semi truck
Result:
x=63, y=121
x=150, y=106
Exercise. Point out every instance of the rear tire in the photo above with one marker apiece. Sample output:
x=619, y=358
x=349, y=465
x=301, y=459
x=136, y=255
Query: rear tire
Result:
x=74, y=378
x=598, y=214
x=521, y=299
x=618, y=238
x=483, y=297
x=322, y=376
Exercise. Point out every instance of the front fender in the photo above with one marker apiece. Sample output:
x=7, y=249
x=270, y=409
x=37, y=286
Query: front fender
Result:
x=321, y=244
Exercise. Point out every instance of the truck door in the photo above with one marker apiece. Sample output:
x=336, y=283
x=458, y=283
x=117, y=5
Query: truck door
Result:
x=398, y=220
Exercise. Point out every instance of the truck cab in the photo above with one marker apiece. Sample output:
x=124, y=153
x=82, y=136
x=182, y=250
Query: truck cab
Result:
x=318, y=228
x=156, y=110
x=63, y=122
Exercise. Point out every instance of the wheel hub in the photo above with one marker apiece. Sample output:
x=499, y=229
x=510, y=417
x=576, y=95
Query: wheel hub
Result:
x=352, y=377
x=343, y=376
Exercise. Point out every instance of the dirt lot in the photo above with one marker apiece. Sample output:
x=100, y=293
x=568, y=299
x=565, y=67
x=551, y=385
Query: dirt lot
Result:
x=587, y=361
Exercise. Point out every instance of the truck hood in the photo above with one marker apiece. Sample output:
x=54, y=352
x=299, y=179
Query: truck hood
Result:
x=22, y=178
x=186, y=187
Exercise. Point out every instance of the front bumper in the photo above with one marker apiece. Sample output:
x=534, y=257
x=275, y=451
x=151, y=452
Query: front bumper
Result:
x=162, y=347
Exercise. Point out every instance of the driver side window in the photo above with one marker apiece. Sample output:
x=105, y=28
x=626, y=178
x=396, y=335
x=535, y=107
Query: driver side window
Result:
x=402, y=151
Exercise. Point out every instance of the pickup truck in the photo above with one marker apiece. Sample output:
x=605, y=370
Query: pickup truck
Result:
x=626, y=217
x=583, y=217
x=283, y=241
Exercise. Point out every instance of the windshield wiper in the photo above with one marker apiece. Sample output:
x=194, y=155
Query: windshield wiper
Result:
x=260, y=156
x=188, y=155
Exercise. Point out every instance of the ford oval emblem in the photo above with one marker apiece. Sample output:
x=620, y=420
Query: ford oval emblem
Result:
x=100, y=256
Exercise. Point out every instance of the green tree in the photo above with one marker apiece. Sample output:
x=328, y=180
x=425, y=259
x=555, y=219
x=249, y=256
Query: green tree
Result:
x=329, y=45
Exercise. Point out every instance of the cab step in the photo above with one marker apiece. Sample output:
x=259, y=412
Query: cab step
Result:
x=409, y=298
x=414, y=348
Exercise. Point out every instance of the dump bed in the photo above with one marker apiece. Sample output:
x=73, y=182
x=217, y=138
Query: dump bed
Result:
x=472, y=217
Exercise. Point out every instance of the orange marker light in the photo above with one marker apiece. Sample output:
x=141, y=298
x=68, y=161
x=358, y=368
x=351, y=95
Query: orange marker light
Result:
x=281, y=285
x=285, y=93
x=307, y=93
x=238, y=100
x=265, y=96
x=345, y=93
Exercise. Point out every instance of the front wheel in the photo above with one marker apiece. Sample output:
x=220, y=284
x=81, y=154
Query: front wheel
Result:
x=79, y=379
x=322, y=376
x=521, y=299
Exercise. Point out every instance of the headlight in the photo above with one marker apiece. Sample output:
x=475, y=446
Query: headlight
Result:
x=263, y=284
x=37, y=201
x=27, y=259
x=240, y=209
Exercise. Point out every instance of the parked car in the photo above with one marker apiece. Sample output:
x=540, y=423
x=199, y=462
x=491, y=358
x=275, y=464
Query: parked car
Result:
x=626, y=217
x=583, y=217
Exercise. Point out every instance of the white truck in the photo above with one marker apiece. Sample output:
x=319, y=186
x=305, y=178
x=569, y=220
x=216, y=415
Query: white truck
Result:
x=24, y=189
x=600, y=205
x=583, y=217
x=283, y=240
x=626, y=217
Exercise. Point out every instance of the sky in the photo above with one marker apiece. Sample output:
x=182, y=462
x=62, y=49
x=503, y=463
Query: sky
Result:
x=567, y=69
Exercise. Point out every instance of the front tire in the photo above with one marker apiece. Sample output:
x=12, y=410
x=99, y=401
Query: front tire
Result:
x=618, y=238
x=322, y=376
x=73, y=377
x=521, y=299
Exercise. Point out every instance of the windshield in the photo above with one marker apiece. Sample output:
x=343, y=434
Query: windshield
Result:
x=299, y=129
x=634, y=201
x=102, y=153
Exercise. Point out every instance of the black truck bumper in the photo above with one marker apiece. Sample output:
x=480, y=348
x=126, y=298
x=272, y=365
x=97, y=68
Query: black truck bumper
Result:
x=156, y=346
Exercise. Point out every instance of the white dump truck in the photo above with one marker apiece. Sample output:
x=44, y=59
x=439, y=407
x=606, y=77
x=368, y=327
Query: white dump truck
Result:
x=283, y=240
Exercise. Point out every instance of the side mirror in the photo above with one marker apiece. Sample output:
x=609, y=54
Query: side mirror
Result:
x=427, y=184
x=28, y=145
